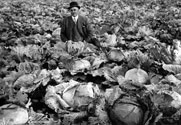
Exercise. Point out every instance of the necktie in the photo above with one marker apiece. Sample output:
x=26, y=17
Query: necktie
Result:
x=74, y=19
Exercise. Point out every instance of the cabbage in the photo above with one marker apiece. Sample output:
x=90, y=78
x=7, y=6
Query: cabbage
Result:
x=123, y=109
x=11, y=114
x=56, y=32
x=79, y=65
x=71, y=95
x=167, y=98
x=110, y=40
x=137, y=75
x=116, y=55
x=81, y=95
x=177, y=52
x=75, y=48
x=126, y=112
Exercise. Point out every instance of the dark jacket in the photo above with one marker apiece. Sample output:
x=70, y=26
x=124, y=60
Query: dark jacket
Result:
x=83, y=28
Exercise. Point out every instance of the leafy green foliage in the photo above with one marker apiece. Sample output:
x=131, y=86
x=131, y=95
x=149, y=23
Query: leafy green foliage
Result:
x=132, y=34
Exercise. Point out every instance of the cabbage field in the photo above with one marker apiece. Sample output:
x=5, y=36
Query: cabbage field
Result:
x=132, y=78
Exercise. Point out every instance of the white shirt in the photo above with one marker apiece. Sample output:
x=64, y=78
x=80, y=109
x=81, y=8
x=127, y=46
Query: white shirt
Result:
x=75, y=18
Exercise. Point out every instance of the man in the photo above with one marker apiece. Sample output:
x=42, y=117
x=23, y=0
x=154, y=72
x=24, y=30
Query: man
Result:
x=76, y=27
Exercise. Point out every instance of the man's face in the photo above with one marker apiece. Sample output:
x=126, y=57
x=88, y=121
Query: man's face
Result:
x=74, y=11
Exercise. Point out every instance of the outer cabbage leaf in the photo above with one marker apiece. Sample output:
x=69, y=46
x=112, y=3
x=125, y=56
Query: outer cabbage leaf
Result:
x=176, y=69
x=28, y=67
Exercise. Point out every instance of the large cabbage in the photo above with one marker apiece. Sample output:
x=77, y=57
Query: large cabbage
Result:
x=123, y=109
x=72, y=94
x=126, y=112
